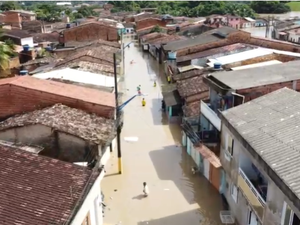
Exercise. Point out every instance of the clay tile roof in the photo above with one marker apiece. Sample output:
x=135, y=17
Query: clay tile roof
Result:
x=89, y=127
x=35, y=189
x=103, y=53
x=57, y=88
x=91, y=67
x=191, y=86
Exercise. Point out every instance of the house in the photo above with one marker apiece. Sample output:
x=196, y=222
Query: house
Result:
x=260, y=185
x=293, y=35
x=34, y=26
x=13, y=19
x=90, y=67
x=24, y=94
x=90, y=32
x=148, y=22
x=260, y=23
x=63, y=133
x=25, y=15
x=156, y=43
x=101, y=55
x=19, y=37
x=247, y=22
x=81, y=78
x=129, y=28
x=73, y=199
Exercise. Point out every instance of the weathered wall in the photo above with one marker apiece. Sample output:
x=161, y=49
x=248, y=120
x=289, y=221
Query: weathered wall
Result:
x=149, y=22
x=90, y=32
x=252, y=93
x=16, y=100
x=62, y=146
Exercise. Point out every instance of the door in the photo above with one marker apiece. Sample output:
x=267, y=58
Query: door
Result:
x=206, y=168
x=252, y=220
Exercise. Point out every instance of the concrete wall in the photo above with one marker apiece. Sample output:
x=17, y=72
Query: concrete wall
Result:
x=61, y=145
x=91, y=205
x=275, y=197
x=149, y=22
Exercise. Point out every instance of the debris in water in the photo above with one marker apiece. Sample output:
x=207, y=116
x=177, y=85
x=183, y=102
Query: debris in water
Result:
x=111, y=198
x=131, y=139
x=166, y=189
x=115, y=190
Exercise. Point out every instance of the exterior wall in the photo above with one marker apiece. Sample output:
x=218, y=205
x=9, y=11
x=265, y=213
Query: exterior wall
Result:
x=275, y=197
x=90, y=32
x=241, y=37
x=27, y=41
x=105, y=153
x=234, y=22
x=149, y=22
x=64, y=146
x=12, y=18
x=91, y=204
x=252, y=93
x=294, y=38
x=17, y=100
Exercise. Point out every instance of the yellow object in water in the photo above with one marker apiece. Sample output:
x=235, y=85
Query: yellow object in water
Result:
x=143, y=102
x=154, y=84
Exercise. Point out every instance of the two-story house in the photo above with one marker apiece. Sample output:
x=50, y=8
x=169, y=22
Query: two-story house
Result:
x=260, y=156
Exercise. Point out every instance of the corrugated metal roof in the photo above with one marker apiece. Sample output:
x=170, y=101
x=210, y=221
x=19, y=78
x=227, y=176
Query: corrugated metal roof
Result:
x=267, y=63
x=188, y=68
x=249, y=19
x=240, y=56
x=270, y=124
x=259, y=76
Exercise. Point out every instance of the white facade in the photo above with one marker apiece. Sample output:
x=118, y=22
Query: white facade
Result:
x=27, y=41
x=91, y=206
x=292, y=37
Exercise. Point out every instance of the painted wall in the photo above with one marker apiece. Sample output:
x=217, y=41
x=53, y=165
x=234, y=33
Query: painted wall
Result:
x=94, y=196
x=27, y=41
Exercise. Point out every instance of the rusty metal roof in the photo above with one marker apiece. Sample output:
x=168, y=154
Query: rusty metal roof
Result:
x=191, y=86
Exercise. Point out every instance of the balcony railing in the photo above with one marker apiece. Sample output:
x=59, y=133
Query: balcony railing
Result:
x=210, y=115
x=252, y=195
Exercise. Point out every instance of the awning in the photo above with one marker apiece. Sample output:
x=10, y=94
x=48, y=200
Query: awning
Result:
x=209, y=155
x=171, y=98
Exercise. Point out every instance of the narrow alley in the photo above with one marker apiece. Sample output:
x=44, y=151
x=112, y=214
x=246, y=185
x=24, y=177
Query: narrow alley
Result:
x=176, y=196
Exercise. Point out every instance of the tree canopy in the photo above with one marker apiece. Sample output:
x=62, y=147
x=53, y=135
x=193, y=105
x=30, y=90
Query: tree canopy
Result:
x=195, y=8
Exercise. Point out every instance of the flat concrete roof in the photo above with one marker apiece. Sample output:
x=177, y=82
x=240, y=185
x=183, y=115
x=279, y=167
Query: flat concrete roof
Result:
x=268, y=127
x=259, y=76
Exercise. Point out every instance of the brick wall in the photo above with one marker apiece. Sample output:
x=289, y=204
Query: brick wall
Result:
x=149, y=22
x=13, y=18
x=17, y=100
x=279, y=45
x=252, y=93
x=90, y=32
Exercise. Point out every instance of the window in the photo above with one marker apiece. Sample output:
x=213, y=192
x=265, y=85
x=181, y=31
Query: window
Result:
x=234, y=193
x=288, y=217
x=230, y=145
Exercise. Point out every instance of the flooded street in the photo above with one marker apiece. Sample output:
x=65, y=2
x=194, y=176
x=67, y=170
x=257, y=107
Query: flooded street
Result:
x=176, y=196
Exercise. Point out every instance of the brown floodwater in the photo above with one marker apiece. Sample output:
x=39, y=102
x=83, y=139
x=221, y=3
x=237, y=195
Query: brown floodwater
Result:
x=176, y=196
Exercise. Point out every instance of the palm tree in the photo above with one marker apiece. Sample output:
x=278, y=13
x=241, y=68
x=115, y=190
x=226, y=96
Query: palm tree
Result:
x=6, y=51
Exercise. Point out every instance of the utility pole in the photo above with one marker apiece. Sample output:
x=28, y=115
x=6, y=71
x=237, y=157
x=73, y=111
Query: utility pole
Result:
x=118, y=117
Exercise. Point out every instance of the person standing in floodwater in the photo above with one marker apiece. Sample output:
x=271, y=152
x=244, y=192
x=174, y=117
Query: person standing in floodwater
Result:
x=145, y=189
x=139, y=89
x=169, y=79
x=143, y=102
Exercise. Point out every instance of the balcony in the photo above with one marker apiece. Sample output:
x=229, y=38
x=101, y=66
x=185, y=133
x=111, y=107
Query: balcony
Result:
x=251, y=194
x=210, y=114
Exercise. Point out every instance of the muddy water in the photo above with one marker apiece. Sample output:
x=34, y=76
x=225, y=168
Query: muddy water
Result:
x=176, y=197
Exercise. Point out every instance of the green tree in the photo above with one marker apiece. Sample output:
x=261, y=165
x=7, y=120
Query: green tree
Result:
x=269, y=7
x=6, y=52
x=5, y=6
x=156, y=29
